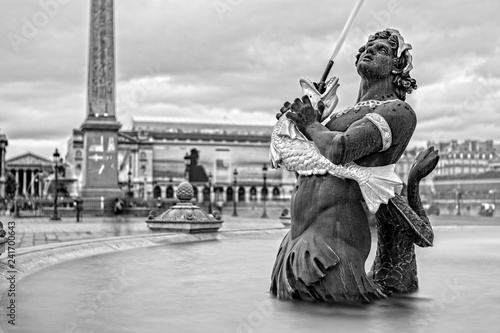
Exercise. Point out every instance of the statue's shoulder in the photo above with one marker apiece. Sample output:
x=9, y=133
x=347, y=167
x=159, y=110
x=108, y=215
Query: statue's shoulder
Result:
x=397, y=113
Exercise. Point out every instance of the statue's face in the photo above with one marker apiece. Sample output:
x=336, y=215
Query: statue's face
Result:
x=377, y=61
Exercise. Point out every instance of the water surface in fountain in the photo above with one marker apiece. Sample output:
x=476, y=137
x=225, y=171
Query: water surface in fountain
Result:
x=222, y=286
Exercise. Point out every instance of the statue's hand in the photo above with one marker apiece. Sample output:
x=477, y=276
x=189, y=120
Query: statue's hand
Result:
x=424, y=163
x=283, y=110
x=303, y=114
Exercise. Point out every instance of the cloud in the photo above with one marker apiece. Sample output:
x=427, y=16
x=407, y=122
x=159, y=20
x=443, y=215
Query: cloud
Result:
x=190, y=58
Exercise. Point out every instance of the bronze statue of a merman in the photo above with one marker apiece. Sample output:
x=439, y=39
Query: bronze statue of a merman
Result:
x=322, y=257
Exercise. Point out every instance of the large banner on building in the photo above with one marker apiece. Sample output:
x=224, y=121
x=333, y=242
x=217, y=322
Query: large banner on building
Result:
x=222, y=168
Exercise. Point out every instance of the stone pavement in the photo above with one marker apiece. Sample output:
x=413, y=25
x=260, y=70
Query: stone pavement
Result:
x=40, y=230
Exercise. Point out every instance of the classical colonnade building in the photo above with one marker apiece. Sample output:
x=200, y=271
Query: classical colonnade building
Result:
x=30, y=172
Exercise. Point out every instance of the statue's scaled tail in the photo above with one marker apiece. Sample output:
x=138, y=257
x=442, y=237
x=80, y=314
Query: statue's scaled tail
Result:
x=382, y=185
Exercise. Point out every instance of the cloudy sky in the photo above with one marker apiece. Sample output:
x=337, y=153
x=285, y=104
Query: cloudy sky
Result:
x=240, y=60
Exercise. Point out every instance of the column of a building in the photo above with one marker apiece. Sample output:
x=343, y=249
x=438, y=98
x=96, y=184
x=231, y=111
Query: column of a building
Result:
x=24, y=181
x=40, y=183
x=32, y=182
x=247, y=193
x=27, y=182
x=211, y=197
x=199, y=194
x=15, y=173
x=135, y=171
x=17, y=181
x=36, y=183
x=224, y=194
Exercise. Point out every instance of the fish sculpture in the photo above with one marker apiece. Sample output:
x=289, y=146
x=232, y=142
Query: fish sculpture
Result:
x=293, y=151
x=328, y=97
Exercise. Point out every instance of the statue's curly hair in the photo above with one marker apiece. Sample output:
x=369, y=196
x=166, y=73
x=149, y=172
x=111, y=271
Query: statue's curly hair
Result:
x=404, y=83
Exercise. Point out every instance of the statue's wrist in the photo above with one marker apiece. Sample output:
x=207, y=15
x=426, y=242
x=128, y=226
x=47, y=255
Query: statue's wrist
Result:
x=310, y=128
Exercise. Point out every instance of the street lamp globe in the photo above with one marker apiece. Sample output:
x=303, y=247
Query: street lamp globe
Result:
x=55, y=157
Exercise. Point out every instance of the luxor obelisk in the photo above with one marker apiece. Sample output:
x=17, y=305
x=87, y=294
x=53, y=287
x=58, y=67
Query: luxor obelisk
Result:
x=100, y=128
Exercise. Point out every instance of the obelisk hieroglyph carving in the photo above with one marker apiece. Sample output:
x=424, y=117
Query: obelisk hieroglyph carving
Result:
x=100, y=128
x=101, y=74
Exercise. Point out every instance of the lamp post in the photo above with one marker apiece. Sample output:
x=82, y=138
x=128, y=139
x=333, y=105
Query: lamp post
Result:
x=264, y=191
x=55, y=215
x=459, y=199
x=210, y=193
x=129, y=184
x=235, y=182
x=145, y=184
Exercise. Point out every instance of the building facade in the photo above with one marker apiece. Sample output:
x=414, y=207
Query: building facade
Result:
x=470, y=157
x=468, y=170
x=152, y=159
x=30, y=172
x=3, y=166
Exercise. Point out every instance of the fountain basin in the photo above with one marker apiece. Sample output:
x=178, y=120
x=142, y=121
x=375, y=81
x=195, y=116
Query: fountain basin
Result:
x=219, y=283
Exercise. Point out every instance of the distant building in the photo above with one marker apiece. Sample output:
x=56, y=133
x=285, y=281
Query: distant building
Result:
x=471, y=168
x=3, y=167
x=153, y=153
x=403, y=167
x=470, y=157
x=495, y=164
x=152, y=162
x=405, y=162
x=30, y=172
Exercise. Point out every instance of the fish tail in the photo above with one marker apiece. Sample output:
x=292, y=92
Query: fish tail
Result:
x=380, y=186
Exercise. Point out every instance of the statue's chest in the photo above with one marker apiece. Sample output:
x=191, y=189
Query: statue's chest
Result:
x=346, y=118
